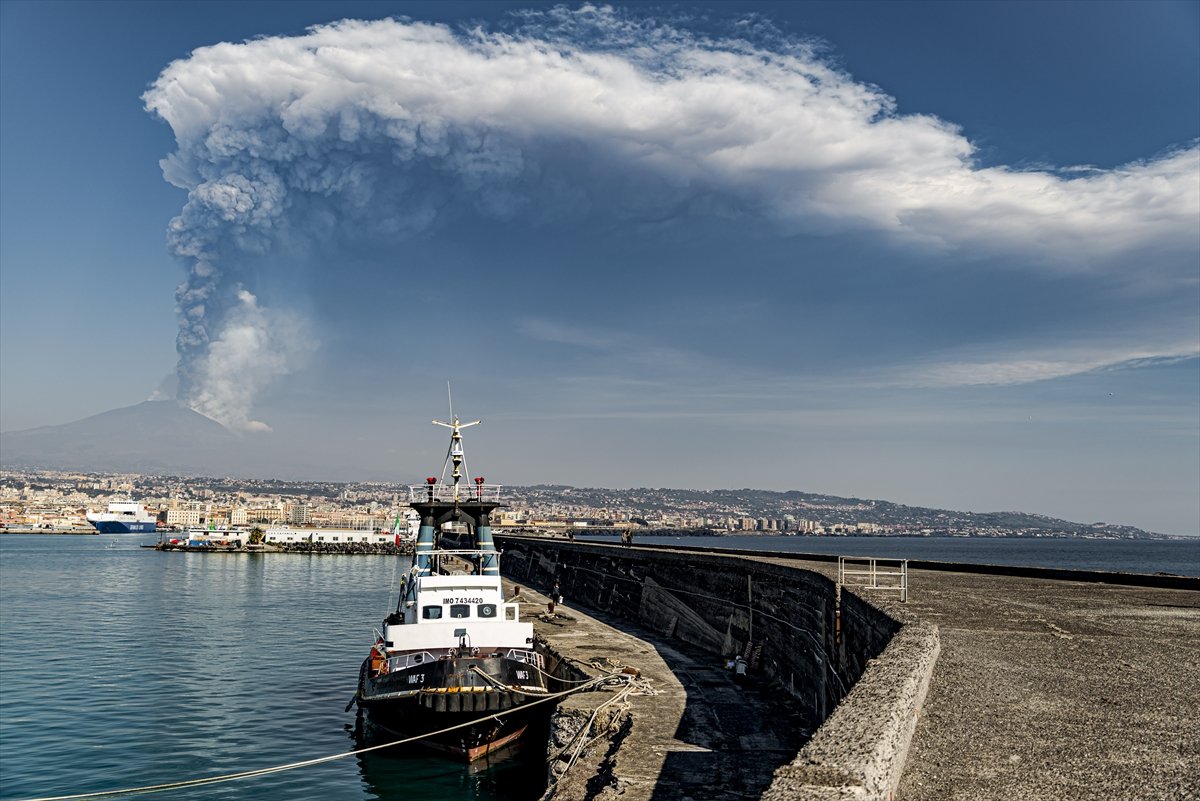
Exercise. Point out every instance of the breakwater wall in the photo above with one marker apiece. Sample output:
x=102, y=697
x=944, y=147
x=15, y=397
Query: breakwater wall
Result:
x=859, y=674
x=789, y=624
x=1159, y=580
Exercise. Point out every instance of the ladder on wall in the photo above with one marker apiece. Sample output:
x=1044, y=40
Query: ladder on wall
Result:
x=869, y=573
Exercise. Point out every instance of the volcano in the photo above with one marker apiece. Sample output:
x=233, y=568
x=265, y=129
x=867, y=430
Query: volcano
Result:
x=153, y=437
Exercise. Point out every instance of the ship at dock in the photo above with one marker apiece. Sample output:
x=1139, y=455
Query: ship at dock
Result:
x=123, y=517
x=453, y=664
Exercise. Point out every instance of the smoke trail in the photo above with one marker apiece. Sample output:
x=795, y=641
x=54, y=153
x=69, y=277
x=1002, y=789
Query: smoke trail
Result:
x=254, y=347
x=373, y=130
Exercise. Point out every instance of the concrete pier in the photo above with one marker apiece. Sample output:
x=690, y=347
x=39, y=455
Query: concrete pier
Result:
x=1051, y=689
x=1044, y=689
x=1057, y=690
x=700, y=734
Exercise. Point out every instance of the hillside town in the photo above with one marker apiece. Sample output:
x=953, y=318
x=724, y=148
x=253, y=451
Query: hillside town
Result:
x=60, y=501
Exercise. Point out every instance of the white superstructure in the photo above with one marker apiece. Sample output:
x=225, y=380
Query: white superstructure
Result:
x=452, y=611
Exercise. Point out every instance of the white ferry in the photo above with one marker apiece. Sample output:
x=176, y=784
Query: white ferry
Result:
x=123, y=517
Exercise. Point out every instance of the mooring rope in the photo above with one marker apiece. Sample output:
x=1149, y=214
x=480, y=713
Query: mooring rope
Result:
x=581, y=737
x=249, y=774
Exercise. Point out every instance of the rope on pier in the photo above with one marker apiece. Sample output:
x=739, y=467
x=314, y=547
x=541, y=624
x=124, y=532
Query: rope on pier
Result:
x=249, y=774
x=581, y=741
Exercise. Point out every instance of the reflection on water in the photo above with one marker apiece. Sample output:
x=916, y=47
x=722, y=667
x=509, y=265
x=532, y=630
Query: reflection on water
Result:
x=516, y=772
x=125, y=667
x=397, y=774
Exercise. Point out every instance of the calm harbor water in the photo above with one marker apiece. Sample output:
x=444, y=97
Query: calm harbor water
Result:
x=123, y=667
x=1181, y=556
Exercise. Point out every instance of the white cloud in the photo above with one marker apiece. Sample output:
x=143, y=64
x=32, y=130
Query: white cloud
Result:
x=1030, y=367
x=617, y=351
x=377, y=127
x=550, y=331
x=779, y=130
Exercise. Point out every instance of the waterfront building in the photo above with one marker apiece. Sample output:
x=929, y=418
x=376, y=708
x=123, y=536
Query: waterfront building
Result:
x=184, y=518
x=300, y=514
x=283, y=536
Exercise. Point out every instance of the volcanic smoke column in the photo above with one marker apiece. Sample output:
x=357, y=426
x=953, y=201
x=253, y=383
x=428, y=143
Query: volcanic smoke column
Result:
x=376, y=130
x=229, y=346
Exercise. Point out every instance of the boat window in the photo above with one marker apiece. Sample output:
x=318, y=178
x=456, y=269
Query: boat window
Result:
x=510, y=612
x=487, y=610
x=431, y=612
x=460, y=610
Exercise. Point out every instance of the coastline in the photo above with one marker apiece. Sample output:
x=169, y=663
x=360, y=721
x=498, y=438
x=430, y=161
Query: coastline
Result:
x=1144, y=557
x=67, y=532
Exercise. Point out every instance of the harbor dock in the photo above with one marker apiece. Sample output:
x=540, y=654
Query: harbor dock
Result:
x=1052, y=689
x=68, y=532
x=697, y=733
x=1043, y=689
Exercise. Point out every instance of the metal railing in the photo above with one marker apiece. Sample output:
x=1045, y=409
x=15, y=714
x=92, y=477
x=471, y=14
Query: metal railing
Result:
x=461, y=552
x=530, y=657
x=405, y=661
x=448, y=493
x=866, y=572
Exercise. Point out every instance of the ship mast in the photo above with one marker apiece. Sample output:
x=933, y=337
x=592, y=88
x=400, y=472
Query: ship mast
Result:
x=454, y=456
x=439, y=507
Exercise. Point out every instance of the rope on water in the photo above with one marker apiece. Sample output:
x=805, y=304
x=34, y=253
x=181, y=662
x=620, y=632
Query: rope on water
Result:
x=249, y=774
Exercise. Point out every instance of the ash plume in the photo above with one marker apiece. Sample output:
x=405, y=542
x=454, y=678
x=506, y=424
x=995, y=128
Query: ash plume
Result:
x=379, y=130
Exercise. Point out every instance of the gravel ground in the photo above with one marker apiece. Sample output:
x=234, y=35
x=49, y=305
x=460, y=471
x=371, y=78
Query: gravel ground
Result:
x=1056, y=690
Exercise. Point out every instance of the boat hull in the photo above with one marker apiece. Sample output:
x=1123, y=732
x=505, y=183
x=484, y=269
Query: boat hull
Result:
x=123, y=527
x=450, y=707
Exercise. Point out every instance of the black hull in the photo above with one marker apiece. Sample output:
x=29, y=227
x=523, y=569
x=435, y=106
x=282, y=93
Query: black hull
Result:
x=451, y=707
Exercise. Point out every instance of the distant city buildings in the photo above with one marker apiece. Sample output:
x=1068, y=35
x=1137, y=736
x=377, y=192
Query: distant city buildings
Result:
x=60, y=500
x=299, y=514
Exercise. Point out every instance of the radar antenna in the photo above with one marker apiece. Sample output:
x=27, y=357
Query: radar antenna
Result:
x=454, y=456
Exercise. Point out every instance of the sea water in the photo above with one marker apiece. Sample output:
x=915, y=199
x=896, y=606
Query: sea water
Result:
x=123, y=667
x=1176, y=556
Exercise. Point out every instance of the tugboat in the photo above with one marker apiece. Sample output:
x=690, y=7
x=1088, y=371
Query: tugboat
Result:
x=453, y=664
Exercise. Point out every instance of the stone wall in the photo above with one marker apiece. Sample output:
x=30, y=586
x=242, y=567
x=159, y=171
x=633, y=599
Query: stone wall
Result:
x=858, y=754
x=782, y=619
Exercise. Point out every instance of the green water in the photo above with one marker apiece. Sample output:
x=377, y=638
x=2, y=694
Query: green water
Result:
x=123, y=667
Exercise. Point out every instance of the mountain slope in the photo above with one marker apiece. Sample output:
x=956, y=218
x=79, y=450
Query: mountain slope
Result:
x=149, y=437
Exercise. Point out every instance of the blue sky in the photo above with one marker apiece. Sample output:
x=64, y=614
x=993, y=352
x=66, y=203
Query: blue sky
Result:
x=940, y=253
